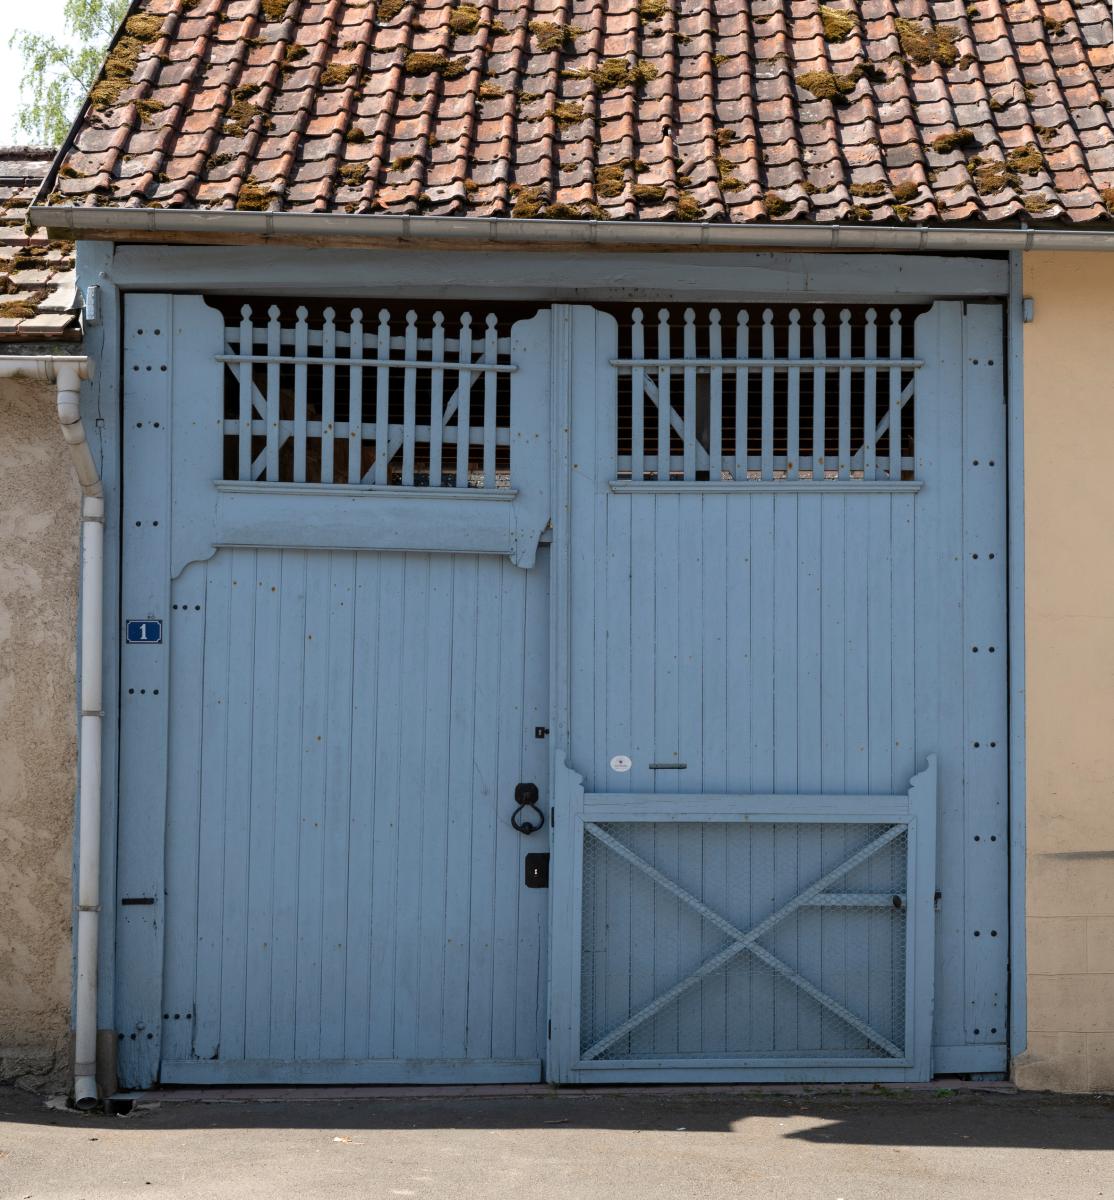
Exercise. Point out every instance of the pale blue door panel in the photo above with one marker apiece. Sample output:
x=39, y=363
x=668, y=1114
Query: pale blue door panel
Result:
x=319, y=880
x=345, y=894
x=758, y=619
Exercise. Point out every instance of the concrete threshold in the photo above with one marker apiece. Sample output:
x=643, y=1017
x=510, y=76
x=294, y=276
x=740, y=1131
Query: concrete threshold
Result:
x=313, y=1094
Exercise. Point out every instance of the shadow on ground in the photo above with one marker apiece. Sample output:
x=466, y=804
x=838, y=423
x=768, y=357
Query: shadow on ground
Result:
x=876, y=1118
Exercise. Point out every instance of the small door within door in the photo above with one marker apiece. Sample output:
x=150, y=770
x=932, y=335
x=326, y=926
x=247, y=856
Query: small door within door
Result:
x=345, y=893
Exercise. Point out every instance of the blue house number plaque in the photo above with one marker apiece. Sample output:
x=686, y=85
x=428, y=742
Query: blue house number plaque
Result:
x=143, y=633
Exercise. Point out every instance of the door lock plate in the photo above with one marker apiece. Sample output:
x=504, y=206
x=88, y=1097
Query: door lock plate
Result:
x=537, y=870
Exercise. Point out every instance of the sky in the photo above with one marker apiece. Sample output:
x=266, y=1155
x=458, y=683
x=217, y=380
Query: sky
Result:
x=35, y=16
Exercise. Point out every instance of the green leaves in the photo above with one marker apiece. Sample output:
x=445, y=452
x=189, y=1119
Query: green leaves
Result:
x=58, y=73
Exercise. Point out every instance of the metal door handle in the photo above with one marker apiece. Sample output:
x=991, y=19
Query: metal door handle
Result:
x=526, y=797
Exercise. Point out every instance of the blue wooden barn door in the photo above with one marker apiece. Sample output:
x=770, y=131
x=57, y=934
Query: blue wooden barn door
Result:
x=780, y=695
x=319, y=878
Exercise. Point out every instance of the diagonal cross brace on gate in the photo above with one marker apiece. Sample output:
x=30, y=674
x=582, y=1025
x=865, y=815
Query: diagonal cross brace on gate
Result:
x=744, y=941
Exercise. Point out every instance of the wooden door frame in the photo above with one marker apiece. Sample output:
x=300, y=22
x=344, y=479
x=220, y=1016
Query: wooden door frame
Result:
x=116, y=269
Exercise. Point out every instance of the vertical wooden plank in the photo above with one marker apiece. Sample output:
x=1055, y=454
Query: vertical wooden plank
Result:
x=328, y=394
x=819, y=396
x=736, y=551
x=641, y=620
x=274, y=413
x=844, y=464
x=793, y=401
x=364, y=790
x=857, y=647
x=742, y=395
x=214, y=759
x=666, y=716
x=464, y=402
x=761, y=682
x=168, y=345
x=356, y=398
x=438, y=796
x=690, y=625
x=461, y=651
x=491, y=381
x=833, y=573
x=665, y=399
x=311, y=849
x=895, y=395
x=638, y=399
x=619, y=645
x=870, y=398
x=264, y=784
x=715, y=399
x=412, y=875
x=880, y=666
x=437, y=401
x=810, y=857
x=533, y=903
x=301, y=350
x=666, y=645
x=782, y=702
x=940, y=648
x=247, y=408
x=786, y=636
x=903, y=639
x=482, y=777
x=610, y=960
x=409, y=398
x=287, y=801
x=767, y=395
x=690, y=694
x=508, y=971
x=717, y=611
x=593, y=440
x=337, y=807
x=985, y=679
x=388, y=776
x=689, y=352
x=382, y=399
x=239, y=696
x=761, y=989
x=186, y=635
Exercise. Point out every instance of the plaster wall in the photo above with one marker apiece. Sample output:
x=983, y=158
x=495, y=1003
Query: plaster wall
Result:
x=1069, y=631
x=39, y=501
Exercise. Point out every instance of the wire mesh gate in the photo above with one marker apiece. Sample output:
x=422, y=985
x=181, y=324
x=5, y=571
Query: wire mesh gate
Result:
x=745, y=938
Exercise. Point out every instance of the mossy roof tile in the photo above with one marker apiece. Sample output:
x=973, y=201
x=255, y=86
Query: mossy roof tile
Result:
x=36, y=273
x=664, y=91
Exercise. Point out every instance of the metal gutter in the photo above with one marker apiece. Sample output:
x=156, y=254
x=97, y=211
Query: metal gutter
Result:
x=519, y=231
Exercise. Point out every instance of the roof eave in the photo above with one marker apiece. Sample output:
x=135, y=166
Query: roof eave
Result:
x=109, y=222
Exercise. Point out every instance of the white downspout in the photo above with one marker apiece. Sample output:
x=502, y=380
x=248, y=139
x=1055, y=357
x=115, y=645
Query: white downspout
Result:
x=67, y=373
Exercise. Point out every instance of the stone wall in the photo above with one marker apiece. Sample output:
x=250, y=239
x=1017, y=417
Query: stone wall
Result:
x=39, y=529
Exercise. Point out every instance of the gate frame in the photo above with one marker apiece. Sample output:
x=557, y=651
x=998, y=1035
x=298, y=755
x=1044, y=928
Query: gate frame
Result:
x=117, y=268
x=916, y=810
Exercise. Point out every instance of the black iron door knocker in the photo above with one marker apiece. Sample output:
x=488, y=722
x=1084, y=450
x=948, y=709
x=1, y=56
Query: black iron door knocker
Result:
x=525, y=820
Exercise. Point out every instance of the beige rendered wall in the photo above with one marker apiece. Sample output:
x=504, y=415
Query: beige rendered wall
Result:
x=1069, y=632
x=38, y=600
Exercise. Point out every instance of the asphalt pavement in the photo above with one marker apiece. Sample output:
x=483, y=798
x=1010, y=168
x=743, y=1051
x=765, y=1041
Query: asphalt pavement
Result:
x=526, y=1143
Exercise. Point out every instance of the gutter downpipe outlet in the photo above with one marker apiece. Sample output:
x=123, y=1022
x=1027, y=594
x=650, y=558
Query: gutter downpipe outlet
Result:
x=66, y=373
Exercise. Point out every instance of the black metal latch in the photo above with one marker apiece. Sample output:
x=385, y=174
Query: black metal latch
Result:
x=524, y=820
x=537, y=870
